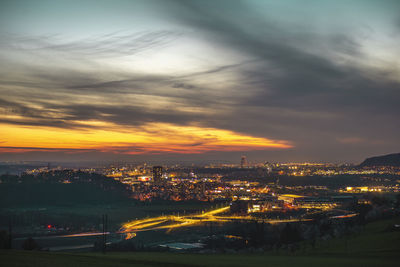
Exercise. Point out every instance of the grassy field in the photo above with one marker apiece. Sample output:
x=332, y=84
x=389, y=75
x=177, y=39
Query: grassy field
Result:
x=376, y=240
x=375, y=246
x=13, y=258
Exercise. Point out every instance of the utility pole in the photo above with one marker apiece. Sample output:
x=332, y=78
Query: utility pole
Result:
x=105, y=235
x=10, y=234
x=102, y=243
x=104, y=247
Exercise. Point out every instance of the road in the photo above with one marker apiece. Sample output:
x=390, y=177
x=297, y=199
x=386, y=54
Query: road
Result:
x=171, y=221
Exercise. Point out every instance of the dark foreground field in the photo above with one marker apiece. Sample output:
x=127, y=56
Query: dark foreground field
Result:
x=377, y=245
x=169, y=259
x=14, y=258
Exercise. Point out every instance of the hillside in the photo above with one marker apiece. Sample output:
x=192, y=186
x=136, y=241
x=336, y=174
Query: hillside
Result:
x=63, y=187
x=386, y=160
x=377, y=245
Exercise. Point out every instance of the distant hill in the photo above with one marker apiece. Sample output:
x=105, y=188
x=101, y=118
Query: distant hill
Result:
x=386, y=160
x=60, y=187
x=47, y=194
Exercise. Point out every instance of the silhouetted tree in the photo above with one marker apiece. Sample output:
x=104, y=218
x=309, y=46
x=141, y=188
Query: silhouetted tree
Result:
x=397, y=204
x=290, y=234
x=30, y=244
x=4, y=240
x=362, y=210
x=257, y=234
x=379, y=200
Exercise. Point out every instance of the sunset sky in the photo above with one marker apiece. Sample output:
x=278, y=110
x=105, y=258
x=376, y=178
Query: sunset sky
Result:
x=289, y=80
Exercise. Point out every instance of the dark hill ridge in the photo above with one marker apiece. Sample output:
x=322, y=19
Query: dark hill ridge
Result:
x=386, y=160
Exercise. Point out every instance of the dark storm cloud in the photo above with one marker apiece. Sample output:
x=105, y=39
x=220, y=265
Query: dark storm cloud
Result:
x=297, y=79
x=300, y=73
x=297, y=83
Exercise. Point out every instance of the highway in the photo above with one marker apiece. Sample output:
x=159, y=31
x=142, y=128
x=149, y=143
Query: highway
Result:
x=171, y=221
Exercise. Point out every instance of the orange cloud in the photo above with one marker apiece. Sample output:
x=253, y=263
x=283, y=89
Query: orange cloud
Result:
x=148, y=138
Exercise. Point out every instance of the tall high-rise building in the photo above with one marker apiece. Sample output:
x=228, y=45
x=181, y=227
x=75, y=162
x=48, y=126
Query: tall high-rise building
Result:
x=268, y=167
x=157, y=174
x=243, y=162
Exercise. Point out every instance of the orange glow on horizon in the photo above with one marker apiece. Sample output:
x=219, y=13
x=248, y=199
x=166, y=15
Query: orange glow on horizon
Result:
x=148, y=138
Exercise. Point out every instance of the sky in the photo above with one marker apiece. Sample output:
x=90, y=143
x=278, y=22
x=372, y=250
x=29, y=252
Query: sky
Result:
x=287, y=80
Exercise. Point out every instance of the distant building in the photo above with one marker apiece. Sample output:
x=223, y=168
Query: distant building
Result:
x=240, y=206
x=243, y=162
x=268, y=167
x=157, y=174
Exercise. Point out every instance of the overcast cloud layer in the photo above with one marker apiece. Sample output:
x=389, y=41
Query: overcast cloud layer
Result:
x=321, y=75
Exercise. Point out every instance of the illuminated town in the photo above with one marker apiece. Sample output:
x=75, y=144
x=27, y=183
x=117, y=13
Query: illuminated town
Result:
x=269, y=188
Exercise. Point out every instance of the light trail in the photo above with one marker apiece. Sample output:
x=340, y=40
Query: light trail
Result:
x=143, y=221
x=85, y=234
x=172, y=222
x=148, y=224
x=176, y=221
x=66, y=236
x=344, y=216
x=213, y=212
